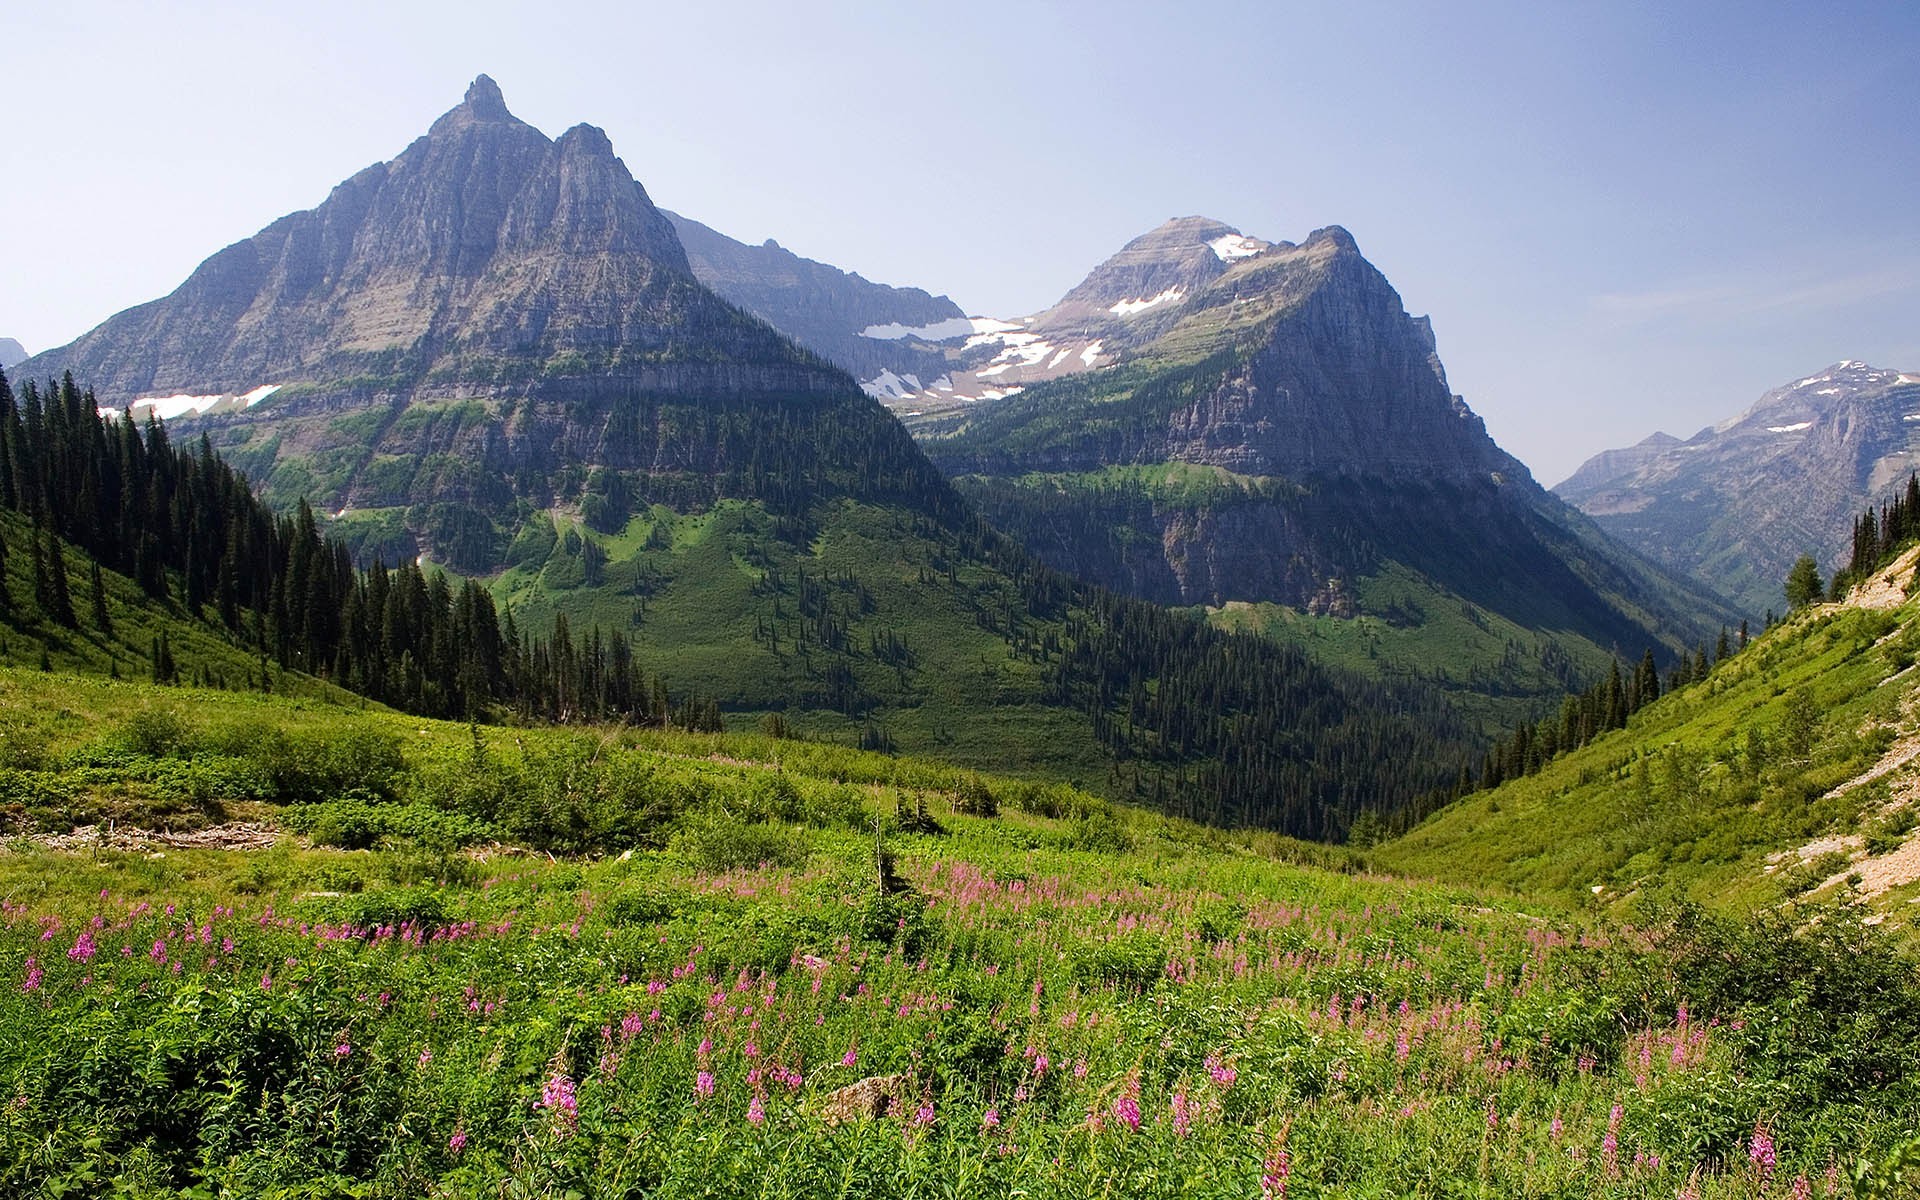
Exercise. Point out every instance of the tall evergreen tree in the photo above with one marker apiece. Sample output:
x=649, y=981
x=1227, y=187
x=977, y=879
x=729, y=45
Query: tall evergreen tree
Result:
x=59, y=600
x=101, y=621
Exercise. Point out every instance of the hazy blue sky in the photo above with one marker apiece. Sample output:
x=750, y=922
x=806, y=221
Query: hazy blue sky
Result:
x=1620, y=218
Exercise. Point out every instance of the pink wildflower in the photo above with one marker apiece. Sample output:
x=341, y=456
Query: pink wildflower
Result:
x=1276, y=1168
x=991, y=1120
x=458, y=1141
x=83, y=948
x=557, y=1097
x=1760, y=1151
x=1126, y=1110
x=756, y=1111
x=343, y=1049
x=34, y=976
x=1182, y=1115
x=703, y=1084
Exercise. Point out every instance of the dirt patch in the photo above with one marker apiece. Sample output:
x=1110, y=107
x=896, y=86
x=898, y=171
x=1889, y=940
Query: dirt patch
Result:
x=1885, y=872
x=1887, y=588
x=234, y=835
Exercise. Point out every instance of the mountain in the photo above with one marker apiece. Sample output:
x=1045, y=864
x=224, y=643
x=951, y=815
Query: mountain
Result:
x=492, y=355
x=484, y=257
x=924, y=357
x=836, y=314
x=1274, y=439
x=11, y=352
x=1736, y=503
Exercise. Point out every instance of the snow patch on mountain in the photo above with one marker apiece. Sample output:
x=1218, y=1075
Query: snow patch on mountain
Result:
x=1794, y=428
x=1233, y=246
x=939, y=331
x=172, y=408
x=1130, y=308
x=888, y=386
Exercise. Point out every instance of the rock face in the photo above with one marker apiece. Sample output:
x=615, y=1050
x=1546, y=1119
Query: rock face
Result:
x=485, y=253
x=1276, y=427
x=821, y=307
x=1736, y=503
x=11, y=352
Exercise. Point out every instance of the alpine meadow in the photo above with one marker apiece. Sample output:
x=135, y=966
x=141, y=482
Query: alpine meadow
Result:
x=510, y=691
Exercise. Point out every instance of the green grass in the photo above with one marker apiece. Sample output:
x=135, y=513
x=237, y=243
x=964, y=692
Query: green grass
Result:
x=201, y=651
x=691, y=608
x=663, y=998
x=1496, y=672
x=1702, y=786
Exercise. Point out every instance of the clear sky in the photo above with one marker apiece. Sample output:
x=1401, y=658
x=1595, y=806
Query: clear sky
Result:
x=1621, y=218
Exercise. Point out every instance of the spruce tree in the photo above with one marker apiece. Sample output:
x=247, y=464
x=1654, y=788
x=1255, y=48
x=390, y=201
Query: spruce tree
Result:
x=101, y=620
x=1803, y=585
x=59, y=601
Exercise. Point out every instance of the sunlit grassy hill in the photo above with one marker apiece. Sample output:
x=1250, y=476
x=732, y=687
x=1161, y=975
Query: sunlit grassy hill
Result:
x=1787, y=773
x=631, y=963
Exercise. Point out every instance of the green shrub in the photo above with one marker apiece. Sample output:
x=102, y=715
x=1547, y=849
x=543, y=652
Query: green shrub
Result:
x=157, y=733
x=1129, y=961
x=716, y=842
x=359, y=821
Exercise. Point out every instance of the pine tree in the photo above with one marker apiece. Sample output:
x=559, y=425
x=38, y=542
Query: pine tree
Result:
x=101, y=620
x=58, y=605
x=1803, y=585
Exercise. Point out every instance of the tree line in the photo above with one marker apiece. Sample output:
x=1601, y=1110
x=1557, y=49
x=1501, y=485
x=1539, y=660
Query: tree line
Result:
x=188, y=531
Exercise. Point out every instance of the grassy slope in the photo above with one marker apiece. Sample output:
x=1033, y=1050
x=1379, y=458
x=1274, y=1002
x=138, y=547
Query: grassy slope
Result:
x=1496, y=672
x=1376, y=1021
x=1702, y=787
x=965, y=696
x=200, y=650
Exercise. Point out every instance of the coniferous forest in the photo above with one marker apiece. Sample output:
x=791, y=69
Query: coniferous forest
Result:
x=1222, y=727
x=188, y=529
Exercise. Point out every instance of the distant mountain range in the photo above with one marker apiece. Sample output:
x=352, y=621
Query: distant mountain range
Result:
x=1736, y=503
x=11, y=352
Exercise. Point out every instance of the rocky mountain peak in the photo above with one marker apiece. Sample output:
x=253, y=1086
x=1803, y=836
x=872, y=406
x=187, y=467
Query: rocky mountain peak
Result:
x=1736, y=503
x=1157, y=270
x=482, y=105
x=483, y=251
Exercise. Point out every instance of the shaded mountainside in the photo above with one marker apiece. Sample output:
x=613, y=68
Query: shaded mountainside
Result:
x=821, y=307
x=1283, y=445
x=1737, y=503
x=490, y=355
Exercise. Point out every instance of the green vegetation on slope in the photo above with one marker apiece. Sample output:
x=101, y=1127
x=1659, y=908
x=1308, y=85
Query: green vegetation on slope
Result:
x=1027, y=992
x=1728, y=791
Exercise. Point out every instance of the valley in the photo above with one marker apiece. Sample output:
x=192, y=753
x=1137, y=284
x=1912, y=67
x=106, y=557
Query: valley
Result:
x=506, y=690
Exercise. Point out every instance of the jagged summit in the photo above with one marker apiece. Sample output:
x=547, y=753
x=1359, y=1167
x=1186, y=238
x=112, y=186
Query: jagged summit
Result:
x=1159, y=270
x=482, y=105
x=484, y=256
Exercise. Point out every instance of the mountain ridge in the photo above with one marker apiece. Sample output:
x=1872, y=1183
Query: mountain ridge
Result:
x=1735, y=504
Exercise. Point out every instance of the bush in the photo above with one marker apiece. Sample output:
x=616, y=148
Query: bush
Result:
x=359, y=821
x=307, y=768
x=717, y=842
x=974, y=798
x=1099, y=832
x=157, y=733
